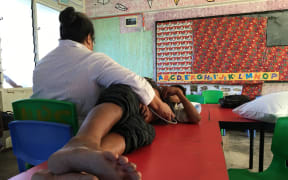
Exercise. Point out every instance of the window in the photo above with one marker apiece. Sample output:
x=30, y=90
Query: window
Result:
x=48, y=29
x=17, y=41
x=16, y=38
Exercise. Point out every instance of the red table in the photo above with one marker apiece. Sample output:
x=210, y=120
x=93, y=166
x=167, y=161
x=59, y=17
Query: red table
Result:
x=179, y=151
x=182, y=151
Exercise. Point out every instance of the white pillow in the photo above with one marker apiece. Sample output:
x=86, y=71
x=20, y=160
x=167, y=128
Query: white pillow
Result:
x=265, y=108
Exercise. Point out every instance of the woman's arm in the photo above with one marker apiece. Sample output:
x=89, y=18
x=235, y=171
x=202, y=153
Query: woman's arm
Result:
x=162, y=108
x=105, y=71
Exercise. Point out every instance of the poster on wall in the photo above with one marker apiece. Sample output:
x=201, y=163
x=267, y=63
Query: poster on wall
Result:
x=226, y=89
x=174, y=47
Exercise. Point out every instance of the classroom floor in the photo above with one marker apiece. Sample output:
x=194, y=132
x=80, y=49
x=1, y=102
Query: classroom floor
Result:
x=235, y=145
x=236, y=150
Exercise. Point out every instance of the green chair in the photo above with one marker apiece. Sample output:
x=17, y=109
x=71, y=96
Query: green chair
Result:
x=195, y=98
x=212, y=96
x=278, y=168
x=46, y=110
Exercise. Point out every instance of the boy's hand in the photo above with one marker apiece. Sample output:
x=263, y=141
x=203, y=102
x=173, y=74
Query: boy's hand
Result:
x=170, y=91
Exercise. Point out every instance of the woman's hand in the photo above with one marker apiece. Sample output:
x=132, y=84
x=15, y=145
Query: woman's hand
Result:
x=162, y=108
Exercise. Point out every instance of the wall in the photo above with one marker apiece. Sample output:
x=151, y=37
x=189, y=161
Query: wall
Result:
x=7, y=96
x=59, y=5
x=199, y=7
x=167, y=10
x=163, y=10
x=132, y=50
x=274, y=87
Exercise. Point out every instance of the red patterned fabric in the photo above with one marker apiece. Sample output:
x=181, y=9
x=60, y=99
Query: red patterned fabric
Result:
x=277, y=60
x=230, y=44
x=252, y=90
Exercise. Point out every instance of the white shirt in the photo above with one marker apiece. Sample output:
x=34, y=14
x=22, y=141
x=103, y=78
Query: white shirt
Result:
x=72, y=72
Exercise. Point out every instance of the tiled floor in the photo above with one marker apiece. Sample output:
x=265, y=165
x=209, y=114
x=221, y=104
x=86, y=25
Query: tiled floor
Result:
x=235, y=145
x=8, y=164
x=236, y=150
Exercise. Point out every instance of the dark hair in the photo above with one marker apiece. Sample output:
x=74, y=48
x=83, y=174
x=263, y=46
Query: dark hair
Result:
x=75, y=26
x=180, y=87
x=153, y=84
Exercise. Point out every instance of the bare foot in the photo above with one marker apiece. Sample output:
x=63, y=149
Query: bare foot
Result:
x=129, y=168
x=102, y=164
x=47, y=175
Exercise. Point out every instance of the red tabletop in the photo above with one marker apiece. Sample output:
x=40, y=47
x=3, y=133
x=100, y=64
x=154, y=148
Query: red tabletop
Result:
x=223, y=114
x=182, y=151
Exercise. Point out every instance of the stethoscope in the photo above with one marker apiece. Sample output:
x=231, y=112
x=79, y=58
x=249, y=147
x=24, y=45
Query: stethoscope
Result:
x=173, y=121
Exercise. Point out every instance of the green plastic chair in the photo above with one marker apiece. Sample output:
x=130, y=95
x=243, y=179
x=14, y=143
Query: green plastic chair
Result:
x=212, y=96
x=278, y=168
x=46, y=110
x=195, y=98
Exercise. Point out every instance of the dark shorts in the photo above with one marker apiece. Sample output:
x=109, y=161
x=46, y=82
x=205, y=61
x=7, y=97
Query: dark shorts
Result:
x=132, y=127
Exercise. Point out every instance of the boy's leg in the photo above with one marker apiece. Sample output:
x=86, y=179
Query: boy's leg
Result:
x=114, y=143
x=96, y=125
x=83, y=152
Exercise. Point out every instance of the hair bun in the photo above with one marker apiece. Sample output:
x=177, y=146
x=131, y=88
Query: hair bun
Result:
x=67, y=16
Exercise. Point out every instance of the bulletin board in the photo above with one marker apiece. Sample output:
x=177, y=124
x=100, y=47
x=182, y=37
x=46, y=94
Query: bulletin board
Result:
x=228, y=45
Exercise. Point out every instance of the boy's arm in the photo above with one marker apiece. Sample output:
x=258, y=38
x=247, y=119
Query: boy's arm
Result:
x=192, y=114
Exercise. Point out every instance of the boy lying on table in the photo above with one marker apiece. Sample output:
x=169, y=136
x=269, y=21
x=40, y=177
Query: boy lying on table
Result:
x=185, y=111
x=174, y=96
x=78, y=160
x=86, y=156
